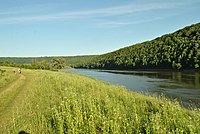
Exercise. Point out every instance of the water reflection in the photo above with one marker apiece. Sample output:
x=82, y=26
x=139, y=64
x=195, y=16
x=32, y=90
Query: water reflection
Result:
x=191, y=78
x=185, y=87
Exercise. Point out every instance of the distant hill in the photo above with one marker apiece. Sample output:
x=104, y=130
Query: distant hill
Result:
x=178, y=50
x=70, y=60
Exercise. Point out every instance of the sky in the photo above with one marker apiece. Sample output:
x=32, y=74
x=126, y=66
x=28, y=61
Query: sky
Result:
x=87, y=27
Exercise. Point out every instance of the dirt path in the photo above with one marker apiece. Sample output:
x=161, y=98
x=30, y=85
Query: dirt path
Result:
x=9, y=99
x=13, y=84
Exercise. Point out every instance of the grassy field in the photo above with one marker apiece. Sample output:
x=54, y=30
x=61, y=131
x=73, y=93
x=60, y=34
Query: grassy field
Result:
x=55, y=102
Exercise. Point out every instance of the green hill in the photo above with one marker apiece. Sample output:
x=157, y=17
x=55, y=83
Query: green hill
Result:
x=178, y=50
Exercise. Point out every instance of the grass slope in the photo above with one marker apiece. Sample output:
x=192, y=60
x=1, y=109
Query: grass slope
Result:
x=56, y=102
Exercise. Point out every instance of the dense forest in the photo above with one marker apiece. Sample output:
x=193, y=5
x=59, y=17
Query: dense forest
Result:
x=178, y=50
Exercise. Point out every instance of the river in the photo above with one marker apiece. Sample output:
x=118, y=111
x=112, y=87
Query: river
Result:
x=184, y=87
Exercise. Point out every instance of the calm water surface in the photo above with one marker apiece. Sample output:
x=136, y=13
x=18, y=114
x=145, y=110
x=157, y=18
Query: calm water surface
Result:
x=185, y=87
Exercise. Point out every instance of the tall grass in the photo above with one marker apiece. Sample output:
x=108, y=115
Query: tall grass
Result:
x=7, y=78
x=70, y=103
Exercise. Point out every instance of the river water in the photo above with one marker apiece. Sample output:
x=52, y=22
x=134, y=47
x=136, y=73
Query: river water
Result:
x=184, y=87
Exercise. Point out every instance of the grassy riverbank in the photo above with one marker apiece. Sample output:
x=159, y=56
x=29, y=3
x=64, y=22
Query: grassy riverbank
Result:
x=56, y=102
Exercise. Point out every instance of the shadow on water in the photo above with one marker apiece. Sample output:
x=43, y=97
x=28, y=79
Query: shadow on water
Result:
x=186, y=77
x=182, y=86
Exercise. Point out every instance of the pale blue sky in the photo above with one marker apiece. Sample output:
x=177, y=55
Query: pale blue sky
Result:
x=85, y=27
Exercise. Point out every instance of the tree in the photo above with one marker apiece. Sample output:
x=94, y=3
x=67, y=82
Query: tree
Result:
x=57, y=63
x=44, y=65
x=178, y=66
x=196, y=66
x=173, y=65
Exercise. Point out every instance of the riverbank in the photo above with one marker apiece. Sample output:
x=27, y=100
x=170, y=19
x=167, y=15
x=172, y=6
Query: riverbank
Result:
x=57, y=102
x=183, y=87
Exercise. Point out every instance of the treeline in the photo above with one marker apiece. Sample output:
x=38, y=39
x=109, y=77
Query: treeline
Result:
x=54, y=64
x=74, y=61
x=42, y=62
x=179, y=50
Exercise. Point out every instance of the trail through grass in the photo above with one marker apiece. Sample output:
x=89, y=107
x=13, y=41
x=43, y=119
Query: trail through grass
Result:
x=7, y=78
x=56, y=102
x=9, y=94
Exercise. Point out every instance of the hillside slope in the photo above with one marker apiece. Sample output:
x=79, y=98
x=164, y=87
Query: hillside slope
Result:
x=178, y=50
x=57, y=102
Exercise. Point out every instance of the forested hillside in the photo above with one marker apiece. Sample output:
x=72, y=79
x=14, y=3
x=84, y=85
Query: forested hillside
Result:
x=178, y=50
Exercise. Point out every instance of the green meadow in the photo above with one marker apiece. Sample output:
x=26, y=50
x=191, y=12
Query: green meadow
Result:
x=42, y=102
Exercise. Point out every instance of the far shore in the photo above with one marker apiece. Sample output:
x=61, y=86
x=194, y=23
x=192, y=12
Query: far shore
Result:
x=144, y=70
